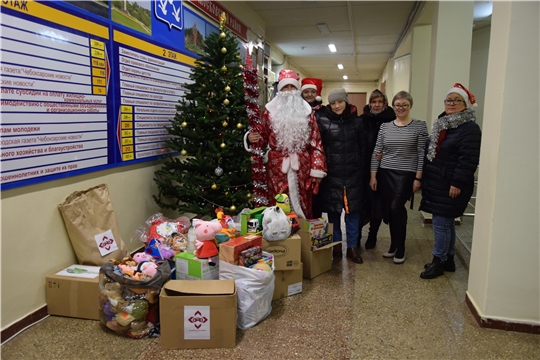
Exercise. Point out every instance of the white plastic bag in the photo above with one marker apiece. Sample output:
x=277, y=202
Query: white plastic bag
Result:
x=255, y=289
x=276, y=225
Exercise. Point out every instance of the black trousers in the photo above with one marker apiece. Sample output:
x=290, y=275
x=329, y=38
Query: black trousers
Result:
x=395, y=188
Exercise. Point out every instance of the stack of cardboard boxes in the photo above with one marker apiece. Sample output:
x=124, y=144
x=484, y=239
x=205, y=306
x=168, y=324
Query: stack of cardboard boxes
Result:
x=316, y=235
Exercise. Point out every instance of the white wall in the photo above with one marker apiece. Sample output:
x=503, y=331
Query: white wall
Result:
x=479, y=60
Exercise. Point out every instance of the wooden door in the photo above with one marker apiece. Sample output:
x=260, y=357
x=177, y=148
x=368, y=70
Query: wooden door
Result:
x=359, y=100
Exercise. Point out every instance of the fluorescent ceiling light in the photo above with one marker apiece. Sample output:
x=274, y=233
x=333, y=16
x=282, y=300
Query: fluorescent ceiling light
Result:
x=340, y=66
x=323, y=28
x=345, y=77
x=482, y=9
x=332, y=47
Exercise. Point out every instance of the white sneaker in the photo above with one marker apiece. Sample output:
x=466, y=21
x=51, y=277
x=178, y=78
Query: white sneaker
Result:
x=389, y=254
x=398, y=260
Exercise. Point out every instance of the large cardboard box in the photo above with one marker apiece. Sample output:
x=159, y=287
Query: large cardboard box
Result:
x=287, y=283
x=316, y=261
x=74, y=292
x=190, y=267
x=198, y=314
x=287, y=255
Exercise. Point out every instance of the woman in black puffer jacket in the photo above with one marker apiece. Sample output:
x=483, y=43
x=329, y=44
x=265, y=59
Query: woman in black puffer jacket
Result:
x=376, y=113
x=343, y=141
x=452, y=156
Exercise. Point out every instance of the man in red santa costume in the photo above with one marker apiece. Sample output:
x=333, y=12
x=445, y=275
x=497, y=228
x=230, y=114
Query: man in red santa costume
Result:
x=296, y=162
x=311, y=92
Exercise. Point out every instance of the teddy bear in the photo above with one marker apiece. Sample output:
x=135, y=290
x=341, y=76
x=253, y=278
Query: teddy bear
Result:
x=205, y=232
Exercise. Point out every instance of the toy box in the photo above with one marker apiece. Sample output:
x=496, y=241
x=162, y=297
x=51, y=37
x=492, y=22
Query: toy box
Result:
x=73, y=292
x=287, y=283
x=286, y=252
x=198, y=314
x=248, y=215
x=317, y=227
x=230, y=250
x=190, y=267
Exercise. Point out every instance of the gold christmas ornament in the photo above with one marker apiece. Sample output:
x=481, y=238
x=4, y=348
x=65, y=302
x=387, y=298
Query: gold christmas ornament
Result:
x=183, y=152
x=239, y=126
x=223, y=68
x=214, y=186
x=227, y=88
x=248, y=195
x=223, y=50
x=223, y=35
x=225, y=124
x=233, y=208
x=226, y=102
x=223, y=145
x=184, y=124
x=241, y=66
x=226, y=193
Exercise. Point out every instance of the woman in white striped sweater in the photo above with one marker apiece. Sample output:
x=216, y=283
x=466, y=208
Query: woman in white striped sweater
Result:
x=399, y=172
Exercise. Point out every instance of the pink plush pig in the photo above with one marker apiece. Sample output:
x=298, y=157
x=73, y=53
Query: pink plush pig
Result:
x=206, y=232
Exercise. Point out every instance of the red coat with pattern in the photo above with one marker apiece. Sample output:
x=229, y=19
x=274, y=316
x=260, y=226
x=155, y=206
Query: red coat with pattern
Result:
x=312, y=163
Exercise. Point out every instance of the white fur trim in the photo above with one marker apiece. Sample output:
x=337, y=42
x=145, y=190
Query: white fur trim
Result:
x=294, y=196
x=317, y=173
x=309, y=86
x=288, y=81
x=318, y=98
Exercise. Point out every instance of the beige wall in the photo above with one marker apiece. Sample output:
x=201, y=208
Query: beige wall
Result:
x=479, y=59
x=34, y=239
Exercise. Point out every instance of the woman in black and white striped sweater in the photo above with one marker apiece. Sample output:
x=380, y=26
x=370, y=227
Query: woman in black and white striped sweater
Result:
x=399, y=172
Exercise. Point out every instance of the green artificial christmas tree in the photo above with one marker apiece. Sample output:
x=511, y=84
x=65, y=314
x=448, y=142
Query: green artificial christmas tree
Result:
x=214, y=170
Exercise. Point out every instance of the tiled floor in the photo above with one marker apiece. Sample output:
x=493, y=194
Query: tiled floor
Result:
x=376, y=310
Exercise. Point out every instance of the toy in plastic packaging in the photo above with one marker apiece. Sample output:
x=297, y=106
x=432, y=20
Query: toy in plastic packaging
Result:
x=130, y=306
x=276, y=225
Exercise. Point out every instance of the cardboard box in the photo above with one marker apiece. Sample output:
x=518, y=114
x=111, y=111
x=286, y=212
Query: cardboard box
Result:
x=248, y=215
x=317, y=227
x=74, y=292
x=317, y=261
x=190, y=267
x=286, y=252
x=229, y=250
x=198, y=314
x=287, y=283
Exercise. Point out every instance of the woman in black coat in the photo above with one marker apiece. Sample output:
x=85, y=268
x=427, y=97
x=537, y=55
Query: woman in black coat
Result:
x=376, y=113
x=452, y=156
x=343, y=141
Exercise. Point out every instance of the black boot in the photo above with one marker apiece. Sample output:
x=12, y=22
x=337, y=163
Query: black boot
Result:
x=449, y=264
x=435, y=269
x=354, y=255
x=371, y=240
x=337, y=251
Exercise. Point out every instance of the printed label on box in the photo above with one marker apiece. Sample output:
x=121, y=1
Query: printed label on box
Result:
x=106, y=243
x=196, y=322
x=80, y=271
x=294, y=289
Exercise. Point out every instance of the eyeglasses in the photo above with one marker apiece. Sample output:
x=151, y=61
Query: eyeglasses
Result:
x=402, y=106
x=452, y=102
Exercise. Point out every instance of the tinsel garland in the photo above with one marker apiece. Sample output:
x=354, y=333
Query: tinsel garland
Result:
x=251, y=90
x=447, y=122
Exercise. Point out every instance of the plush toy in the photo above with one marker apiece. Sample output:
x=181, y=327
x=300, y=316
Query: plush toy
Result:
x=276, y=225
x=159, y=250
x=141, y=256
x=205, y=231
x=282, y=200
x=228, y=226
x=147, y=268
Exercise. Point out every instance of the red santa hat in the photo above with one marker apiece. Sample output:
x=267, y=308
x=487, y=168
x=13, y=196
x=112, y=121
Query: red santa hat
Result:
x=288, y=77
x=315, y=84
x=464, y=93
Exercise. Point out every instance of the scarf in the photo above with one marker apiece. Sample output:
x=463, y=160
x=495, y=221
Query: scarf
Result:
x=446, y=123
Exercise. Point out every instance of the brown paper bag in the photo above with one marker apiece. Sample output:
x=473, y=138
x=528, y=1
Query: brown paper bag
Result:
x=92, y=227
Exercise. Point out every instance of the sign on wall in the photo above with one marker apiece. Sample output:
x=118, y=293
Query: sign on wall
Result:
x=90, y=85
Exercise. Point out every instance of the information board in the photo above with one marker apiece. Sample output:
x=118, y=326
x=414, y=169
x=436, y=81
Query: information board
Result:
x=90, y=85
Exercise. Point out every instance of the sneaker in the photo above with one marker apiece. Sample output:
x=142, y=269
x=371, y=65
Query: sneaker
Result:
x=399, y=260
x=389, y=254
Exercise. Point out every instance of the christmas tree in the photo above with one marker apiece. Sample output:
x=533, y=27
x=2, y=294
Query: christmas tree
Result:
x=214, y=170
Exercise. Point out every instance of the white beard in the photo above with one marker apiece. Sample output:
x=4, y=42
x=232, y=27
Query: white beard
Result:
x=289, y=121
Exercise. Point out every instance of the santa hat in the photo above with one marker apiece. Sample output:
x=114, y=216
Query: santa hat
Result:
x=288, y=77
x=315, y=84
x=464, y=93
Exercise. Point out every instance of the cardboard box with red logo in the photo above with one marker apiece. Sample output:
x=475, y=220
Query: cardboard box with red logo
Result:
x=286, y=252
x=197, y=314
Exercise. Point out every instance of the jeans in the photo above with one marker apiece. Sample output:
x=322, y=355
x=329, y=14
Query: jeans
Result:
x=444, y=232
x=352, y=227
